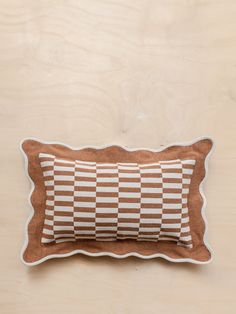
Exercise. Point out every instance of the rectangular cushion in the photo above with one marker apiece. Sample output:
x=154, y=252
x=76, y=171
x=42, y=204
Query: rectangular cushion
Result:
x=117, y=202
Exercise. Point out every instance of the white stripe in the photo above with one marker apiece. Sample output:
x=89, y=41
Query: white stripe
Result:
x=85, y=174
x=129, y=205
x=49, y=192
x=171, y=175
x=186, y=229
x=64, y=209
x=49, y=203
x=49, y=183
x=64, y=198
x=106, y=199
x=187, y=171
x=44, y=240
x=151, y=190
x=60, y=161
x=49, y=212
x=156, y=170
x=107, y=170
x=104, y=210
x=85, y=194
x=89, y=163
x=130, y=194
x=128, y=224
x=46, y=163
x=155, y=200
x=80, y=232
x=107, y=189
x=185, y=210
x=84, y=223
x=173, y=234
x=47, y=231
x=61, y=228
x=48, y=222
x=66, y=240
x=111, y=179
x=85, y=183
x=171, y=216
x=63, y=188
x=63, y=218
x=129, y=184
x=185, y=220
x=171, y=206
x=85, y=167
x=172, y=185
x=142, y=229
x=43, y=155
x=63, y=168
x=172, y=195
x=187, y=238
x=85, y=204
x=189, y=162
x=106, y=220
x=150, y=221
x=171, y=226
x=84, y=214
x=48, y=173
x=129, y=175
x=151, y=180
x=172, y=166
x=63, y=178
x=151, y=210
x=128, y=215
x=107, y=228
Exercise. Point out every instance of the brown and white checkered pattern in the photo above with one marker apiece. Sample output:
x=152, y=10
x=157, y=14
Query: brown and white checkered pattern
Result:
x=115, y=201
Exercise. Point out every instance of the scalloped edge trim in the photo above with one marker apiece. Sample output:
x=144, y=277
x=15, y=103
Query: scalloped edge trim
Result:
x=166, y=257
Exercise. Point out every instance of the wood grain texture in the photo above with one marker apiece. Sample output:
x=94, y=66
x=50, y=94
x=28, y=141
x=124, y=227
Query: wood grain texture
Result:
x=140, y=73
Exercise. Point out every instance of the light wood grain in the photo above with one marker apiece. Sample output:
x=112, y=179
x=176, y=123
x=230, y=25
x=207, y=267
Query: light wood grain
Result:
x=141, y=73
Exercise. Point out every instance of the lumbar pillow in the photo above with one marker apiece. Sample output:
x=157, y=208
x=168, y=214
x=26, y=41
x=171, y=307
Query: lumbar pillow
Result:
x=117, y=202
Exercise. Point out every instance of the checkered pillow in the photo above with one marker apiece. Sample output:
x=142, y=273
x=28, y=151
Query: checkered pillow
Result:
x=116, y=201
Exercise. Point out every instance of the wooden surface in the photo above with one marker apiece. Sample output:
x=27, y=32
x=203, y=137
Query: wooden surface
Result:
x=141, y=73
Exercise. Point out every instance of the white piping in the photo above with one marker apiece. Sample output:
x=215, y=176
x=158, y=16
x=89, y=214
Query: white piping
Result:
x=178, y=260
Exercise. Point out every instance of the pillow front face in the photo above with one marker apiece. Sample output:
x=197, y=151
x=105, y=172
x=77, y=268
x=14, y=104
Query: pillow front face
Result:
x=117, y=202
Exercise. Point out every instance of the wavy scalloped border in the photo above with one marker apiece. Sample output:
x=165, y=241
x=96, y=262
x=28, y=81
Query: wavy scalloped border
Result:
x=177, y=260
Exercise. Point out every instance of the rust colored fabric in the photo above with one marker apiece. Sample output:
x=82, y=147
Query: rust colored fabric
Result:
x=35, y=251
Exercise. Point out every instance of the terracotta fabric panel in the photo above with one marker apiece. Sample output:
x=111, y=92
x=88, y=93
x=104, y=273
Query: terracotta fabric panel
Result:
x=36, y=251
